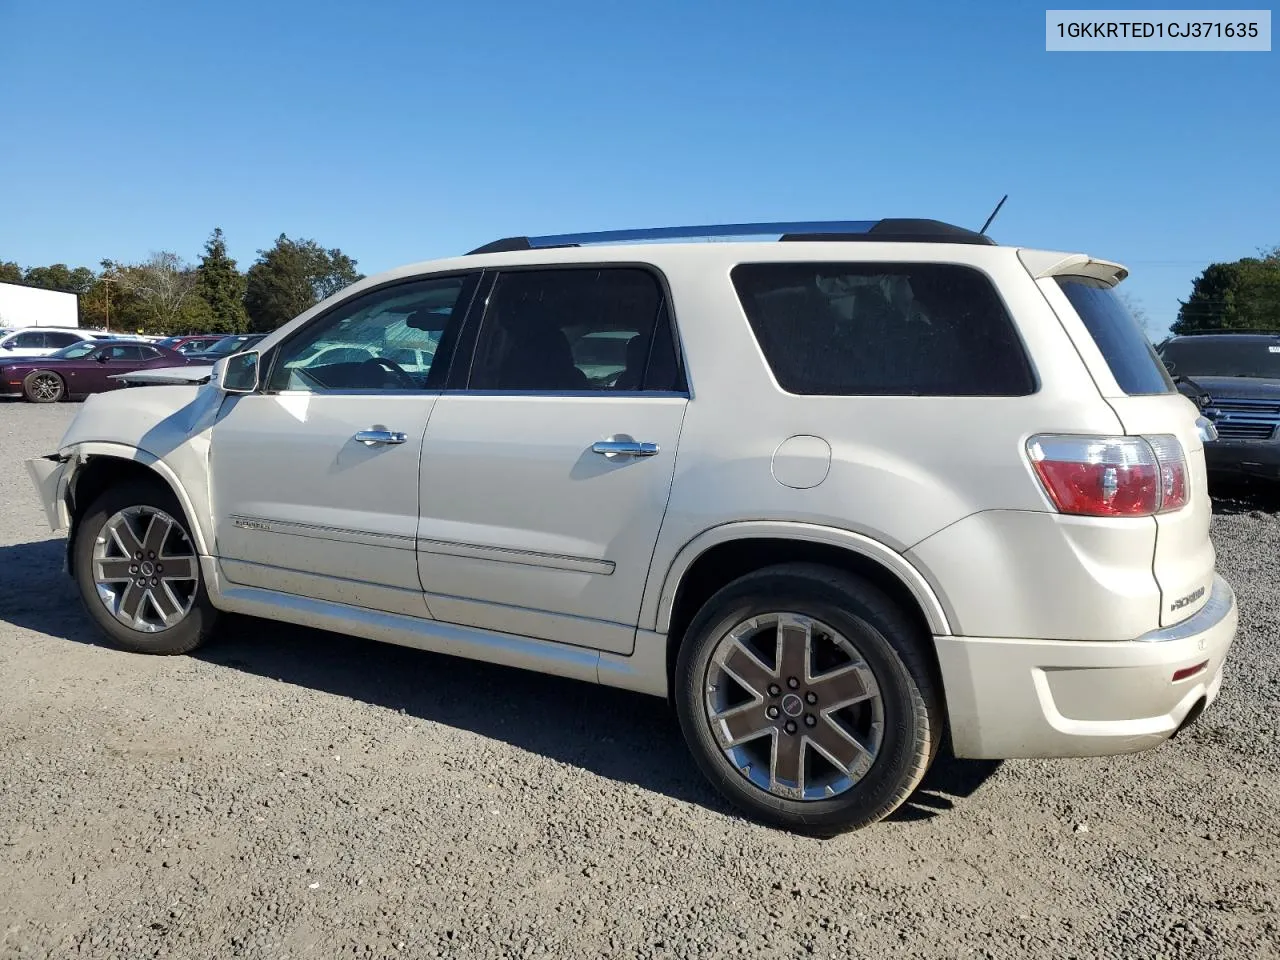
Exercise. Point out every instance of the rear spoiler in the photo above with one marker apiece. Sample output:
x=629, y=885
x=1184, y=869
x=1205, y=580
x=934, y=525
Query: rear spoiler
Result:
x=1042, y=264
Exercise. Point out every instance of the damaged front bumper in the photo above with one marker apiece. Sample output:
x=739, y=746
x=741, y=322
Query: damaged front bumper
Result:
x=51, y=475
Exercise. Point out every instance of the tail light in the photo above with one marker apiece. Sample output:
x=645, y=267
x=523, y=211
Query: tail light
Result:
x=1173, y=471
x=1111, y=476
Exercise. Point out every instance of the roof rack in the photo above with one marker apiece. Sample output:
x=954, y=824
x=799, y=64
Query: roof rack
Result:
x=1227, y=333
x=881, y=231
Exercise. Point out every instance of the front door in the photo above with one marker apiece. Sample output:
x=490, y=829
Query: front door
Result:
x=546, y=477
x=315, y=477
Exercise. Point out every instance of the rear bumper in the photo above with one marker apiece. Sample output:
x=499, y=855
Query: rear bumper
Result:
x=1259, y=458
x=1075, y=698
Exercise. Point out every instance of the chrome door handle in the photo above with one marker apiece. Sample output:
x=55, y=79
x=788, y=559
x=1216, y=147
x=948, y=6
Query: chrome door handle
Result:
x=371, y=437
x=624, y=448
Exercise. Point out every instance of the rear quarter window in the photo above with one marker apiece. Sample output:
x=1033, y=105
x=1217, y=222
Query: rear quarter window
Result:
x=886, y=329
x=1129, y=354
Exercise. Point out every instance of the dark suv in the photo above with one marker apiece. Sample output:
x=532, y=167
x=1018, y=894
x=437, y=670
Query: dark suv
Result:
x=1235, y=378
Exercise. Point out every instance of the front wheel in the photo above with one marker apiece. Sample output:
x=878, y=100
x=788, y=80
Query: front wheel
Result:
x=805, y=698
x=139, y=573
x=43, y=386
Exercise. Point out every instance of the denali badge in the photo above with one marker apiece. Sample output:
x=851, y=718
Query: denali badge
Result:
x=246, y=524
x=1189, y=598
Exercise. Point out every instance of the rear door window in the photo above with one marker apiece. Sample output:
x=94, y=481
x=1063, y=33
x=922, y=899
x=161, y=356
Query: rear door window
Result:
x=1120, y=338
x=576, y=330
x=886, y=329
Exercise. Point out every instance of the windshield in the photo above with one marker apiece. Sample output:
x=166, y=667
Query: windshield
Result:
x=1223, y=357
x=76, y=350
x=229, y=345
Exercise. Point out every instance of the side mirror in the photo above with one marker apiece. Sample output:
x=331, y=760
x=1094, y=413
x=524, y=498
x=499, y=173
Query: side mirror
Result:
x=8, y=346
x=239, y=373
x=103, y=358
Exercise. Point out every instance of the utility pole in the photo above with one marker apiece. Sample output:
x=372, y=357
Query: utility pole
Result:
x=107, y=281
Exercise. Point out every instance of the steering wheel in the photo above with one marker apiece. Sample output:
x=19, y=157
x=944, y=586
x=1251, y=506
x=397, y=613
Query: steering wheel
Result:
x=397, y=372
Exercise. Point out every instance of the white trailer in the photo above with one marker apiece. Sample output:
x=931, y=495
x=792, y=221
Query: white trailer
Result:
x=23, y=306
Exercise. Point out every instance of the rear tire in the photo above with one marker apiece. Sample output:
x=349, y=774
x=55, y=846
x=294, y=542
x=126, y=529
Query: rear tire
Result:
x=138, y=570
x=854, y=715
x=43, y=386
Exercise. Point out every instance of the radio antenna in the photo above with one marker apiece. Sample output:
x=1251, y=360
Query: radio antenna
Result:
x=993, y=213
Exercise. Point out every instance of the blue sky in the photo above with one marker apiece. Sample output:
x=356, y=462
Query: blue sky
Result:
x=400, y=131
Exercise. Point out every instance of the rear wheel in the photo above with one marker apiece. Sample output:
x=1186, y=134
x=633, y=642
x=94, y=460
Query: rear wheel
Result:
x=806, y=700
x=43, y=386
x=139, y=573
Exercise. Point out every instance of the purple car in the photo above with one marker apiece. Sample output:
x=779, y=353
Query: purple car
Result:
x=81, y=369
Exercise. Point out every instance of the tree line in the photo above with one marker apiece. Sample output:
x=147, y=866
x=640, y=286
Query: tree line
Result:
x=166, y=295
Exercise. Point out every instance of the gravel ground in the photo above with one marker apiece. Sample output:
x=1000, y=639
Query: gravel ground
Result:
x=289, y=793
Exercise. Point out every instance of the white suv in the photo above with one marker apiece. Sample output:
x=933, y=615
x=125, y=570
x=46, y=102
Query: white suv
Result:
x=849, y=494
x=42, y=341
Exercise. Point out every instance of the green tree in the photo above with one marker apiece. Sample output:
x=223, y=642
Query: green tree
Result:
x=162, y=285
x=195, y=316
x=1241, y=295
x=10, y=272
x=221, y=287
x=292, y=277
x=59, y=277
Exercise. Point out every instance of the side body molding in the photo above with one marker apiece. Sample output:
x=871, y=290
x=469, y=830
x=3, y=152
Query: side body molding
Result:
x=911, y=578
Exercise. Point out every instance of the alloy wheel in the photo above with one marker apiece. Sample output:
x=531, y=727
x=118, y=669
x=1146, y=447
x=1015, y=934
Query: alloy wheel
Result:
x=45, y=387
x=794, y=706
x=145, y=569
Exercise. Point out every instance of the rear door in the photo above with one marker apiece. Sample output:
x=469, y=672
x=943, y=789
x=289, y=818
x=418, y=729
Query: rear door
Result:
x=1135, y=383
x=546, y=477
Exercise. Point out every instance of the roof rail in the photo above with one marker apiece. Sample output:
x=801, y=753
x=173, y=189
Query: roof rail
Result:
x=891, y=230
x=1228, y=333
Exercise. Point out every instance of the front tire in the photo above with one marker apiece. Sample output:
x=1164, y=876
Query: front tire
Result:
x=805, y=698
x=138, y=571
x=43, y=386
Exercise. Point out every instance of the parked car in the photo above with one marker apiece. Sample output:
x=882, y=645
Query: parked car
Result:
x=227, y=346
x=883, y=485
x=1235, y=378
x=83, y=368
x=192, y=343
x=41, y=341
x=330, y=353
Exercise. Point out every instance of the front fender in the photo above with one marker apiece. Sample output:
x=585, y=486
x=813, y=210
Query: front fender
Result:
x=163, y=428
x=77, y=455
